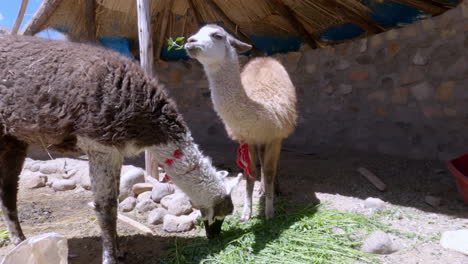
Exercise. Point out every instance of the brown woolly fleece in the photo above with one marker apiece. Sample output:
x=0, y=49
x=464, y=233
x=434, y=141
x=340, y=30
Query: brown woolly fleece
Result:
x=53, y=91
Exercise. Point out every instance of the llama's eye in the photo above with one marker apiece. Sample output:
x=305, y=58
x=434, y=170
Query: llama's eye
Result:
x=217, y=36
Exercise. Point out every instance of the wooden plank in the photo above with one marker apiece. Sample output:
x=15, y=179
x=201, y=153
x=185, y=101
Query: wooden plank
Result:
x=372, y=178
x=288, y=13
x=19, y=18
x=137, y=225
x=427, y=6
x=147, y=63
x=90, y=20
x=41, y=16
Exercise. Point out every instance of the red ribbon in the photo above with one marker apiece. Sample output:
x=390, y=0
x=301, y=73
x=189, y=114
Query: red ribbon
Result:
x=244, y=161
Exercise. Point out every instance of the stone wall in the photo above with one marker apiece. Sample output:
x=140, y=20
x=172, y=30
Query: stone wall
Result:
x=403, y=92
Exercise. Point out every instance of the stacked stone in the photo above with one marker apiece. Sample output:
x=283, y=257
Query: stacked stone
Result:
x=160, y=203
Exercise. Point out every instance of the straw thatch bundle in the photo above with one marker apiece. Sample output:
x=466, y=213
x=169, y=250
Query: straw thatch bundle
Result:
x=91, y=19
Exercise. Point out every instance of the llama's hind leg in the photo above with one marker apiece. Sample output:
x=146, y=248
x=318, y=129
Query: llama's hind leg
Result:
x=104, y=171
x=12, y=155
x=249, y=183
x=269, y=168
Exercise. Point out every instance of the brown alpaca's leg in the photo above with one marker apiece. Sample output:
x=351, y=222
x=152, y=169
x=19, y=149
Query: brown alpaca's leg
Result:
x=249, y=183
x=270, y=165
x=104, y=170
x=12, y=155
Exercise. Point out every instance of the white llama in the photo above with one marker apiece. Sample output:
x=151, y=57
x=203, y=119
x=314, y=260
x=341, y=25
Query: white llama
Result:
x=257, y=106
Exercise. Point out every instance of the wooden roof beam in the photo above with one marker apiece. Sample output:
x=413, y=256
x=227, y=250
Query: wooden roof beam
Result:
x=90, y=11
x=288, y=13
x=358, y=18
x=228, y=21
x=41, y=16
x=195, y=13
x=425, y=5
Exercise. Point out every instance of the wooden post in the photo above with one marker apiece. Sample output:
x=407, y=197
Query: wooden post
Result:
x=20, y=17
x=147, y=63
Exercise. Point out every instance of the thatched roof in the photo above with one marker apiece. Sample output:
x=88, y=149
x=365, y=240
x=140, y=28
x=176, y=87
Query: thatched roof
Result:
x=316, y=22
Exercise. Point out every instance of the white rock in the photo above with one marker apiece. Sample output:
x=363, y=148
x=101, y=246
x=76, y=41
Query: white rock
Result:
x=131, y=175
x=36, y=181
x=43, y=248
x=64, y=185
x=69, y=173
x=156, y=216
x=455, y=240
x=35, y=167
x=160, y=190
x=142, y=187
x=177, y=223
x=180, y=205
x=144, y=196
x=146, y=206
x=56, y=166
x=166, y=201
x=433, y=200
x=378, y=242
x=194, y=215
x=128, y=204
x=374, y=203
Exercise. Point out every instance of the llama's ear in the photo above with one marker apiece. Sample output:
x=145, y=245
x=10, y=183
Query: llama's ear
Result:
x=239, y=45
x=230, y=184
x=223, y=174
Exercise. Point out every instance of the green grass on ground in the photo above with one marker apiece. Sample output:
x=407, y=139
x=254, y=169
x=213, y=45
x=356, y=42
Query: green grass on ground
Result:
x=312, y=234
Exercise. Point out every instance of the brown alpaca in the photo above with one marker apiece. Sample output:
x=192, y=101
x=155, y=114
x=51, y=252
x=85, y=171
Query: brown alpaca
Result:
x=78, y=98
x=257, y=106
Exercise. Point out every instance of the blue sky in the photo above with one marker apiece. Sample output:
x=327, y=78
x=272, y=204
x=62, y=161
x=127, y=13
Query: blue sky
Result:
x=9, y=10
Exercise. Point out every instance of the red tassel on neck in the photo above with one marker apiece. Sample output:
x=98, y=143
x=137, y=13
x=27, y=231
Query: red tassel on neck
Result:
x=243, y=160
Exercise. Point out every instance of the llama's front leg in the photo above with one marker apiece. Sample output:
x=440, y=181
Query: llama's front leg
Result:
x=249, y=183
x=12, y=155
x=270, y=165
x=104, y=170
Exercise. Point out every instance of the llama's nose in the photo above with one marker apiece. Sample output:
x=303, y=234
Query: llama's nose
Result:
x=191, y=40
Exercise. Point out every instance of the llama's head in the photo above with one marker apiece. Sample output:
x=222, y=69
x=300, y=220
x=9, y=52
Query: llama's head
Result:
x=213, y=217
x=212, y=44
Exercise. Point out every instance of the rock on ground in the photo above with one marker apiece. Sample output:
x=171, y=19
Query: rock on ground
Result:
x=64, y=185
x=130, y=176
x=174, y=223
x=378, y=242
x=374, y=203
x=144, y=196
x=36, y=181
x=142, y=187
x=146, y=206
x=161, y=190
x=156, y=216
x=177, y=204
x=433, y=200
x=56, y=166
x=127, y=204
x=455, y=240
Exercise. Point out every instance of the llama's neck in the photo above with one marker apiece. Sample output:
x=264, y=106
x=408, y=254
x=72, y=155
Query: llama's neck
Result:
x=191, y=171
x=225, y=81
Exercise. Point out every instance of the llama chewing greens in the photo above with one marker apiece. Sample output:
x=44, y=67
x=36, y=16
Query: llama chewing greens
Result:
x=79, y=98
x=257, y=105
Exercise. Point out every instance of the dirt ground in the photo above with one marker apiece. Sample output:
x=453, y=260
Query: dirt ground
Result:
x=331, y=174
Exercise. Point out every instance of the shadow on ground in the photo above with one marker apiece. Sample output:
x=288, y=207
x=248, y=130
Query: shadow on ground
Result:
x=141, y=249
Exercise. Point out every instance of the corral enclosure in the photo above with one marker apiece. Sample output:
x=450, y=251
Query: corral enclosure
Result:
x=399, y=92
x=394, y=102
